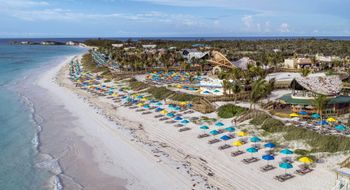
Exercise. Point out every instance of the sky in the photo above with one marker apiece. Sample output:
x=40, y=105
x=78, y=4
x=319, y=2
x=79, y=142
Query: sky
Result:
x=173, y=18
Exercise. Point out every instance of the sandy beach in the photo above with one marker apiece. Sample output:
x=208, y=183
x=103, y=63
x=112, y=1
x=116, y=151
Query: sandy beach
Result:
x=113, y=147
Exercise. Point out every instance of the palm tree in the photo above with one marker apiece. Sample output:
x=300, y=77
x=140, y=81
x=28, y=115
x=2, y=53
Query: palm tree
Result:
x=259, y=90
x=225, y=85
x=320, y=103
x=236, y=88
x=305, y=72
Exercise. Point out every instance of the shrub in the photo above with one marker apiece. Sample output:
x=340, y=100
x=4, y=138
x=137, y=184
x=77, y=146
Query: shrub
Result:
x=318, y=142
x=230, y=110
x=137, y=85
x=258, y=120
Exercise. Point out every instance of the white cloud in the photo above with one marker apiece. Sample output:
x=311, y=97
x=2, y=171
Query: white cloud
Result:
x=284, y=28
x=248, y=21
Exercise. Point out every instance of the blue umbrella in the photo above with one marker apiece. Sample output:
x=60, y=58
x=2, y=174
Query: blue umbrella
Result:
x=178, y=118
x=230, y=129
x=323, y=122
x=214, y=132
x=159, y=104
x=303, y=112
x=255, y=139
x=286, y=165
x=185, y=121
x=316, y=116
x=204, y=127
x=146, y=106
x=159, y=109
x=269, y=145
x=252, y=150
x=225, y=138
x=268, y=157
x=219, y=124
x=340, y=128
x=286, y=151
x=170, y=115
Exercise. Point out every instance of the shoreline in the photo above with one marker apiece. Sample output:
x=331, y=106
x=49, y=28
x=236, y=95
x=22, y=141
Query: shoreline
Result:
x=101, y=142
x=179, y=164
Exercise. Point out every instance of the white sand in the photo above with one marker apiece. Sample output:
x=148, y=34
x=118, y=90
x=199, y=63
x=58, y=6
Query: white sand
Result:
x=157, y=156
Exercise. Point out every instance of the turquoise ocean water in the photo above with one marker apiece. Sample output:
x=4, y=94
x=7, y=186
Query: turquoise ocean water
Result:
x=18, y=140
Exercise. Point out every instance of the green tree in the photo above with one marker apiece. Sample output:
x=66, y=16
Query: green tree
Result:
x=320, y=103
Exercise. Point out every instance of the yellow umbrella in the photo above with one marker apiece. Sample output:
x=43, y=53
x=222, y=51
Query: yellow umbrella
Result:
x=183, y=103
x=237, y=143
x=293, y=115
x=164, y=112
x=144, y=99
x=241, y=134
x=178, y=86
x=140, y=104
x=331, y=119
x=305, y=160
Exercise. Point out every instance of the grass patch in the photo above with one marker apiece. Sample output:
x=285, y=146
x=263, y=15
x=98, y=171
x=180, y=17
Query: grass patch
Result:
x=137, y=85
x=230, y=110
x=318, y=142
x=90, y=65
x=259, y=119
x=161, y=93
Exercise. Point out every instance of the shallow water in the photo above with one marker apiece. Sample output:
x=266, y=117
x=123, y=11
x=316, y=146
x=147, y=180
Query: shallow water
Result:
x=21, y=165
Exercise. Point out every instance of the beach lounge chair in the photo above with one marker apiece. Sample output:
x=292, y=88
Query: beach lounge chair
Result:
x=232, y=136
x=133, y=107
x=213, y=141
x=184, y=129
x=250, y=160
x=170, y=122
x=147, y=112
x=267, y=168
x=203, y=135
x=140, y=110
x=158, y=116
x=225, y=146
x=163, y=118
x=284, y=177
x=304, y=171
x=237, y=153
x=178, y=125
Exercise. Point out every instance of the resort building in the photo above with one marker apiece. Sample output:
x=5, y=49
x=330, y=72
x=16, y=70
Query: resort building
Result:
x=149, y=46
x=117, y=45
x=193, y=53
x=243, y=63
x=297, y=63
x=72, y=43
x=306, y=89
